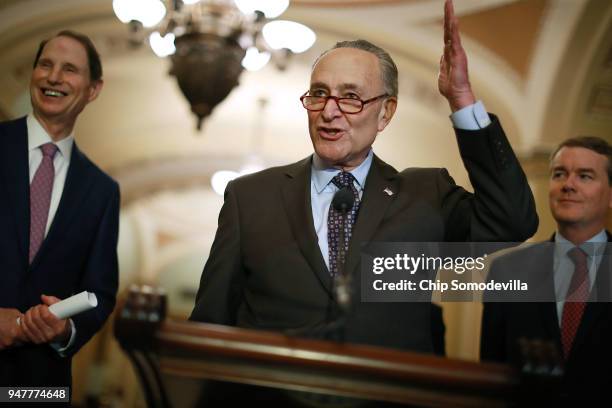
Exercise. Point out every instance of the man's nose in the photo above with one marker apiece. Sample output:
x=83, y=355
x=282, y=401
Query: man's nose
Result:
x=331, y=109
x=569, y=184
x=55, y=75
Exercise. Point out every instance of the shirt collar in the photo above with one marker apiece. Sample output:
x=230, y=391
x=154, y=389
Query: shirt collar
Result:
x=38, y=136
x=592, y=246
x=321, y=176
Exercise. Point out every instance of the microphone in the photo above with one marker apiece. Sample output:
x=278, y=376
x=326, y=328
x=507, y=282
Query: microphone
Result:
x=342, y=202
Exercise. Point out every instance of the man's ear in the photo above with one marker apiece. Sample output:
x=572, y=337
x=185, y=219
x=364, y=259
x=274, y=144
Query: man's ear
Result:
x=387, y=112
x=94, y=89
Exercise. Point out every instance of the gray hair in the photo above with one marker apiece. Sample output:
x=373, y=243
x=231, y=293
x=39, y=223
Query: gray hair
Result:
x=388, y=68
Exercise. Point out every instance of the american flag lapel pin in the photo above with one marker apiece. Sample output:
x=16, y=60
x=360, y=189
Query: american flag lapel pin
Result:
x=388, y=191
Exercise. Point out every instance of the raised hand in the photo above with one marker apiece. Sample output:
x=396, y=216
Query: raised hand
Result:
x=453, y=81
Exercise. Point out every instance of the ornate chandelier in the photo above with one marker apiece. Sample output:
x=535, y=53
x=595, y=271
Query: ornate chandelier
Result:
x=210, y=42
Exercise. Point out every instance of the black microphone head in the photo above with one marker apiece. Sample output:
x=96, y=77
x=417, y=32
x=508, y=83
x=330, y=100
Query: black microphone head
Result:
x=343, y=200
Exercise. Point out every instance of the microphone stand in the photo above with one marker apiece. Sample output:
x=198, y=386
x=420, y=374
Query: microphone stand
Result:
x=343, y=201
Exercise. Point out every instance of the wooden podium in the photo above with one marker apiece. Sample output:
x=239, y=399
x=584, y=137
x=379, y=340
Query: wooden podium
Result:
x=184, y=352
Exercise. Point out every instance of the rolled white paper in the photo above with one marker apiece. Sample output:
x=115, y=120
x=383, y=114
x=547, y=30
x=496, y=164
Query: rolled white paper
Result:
x=74, y=305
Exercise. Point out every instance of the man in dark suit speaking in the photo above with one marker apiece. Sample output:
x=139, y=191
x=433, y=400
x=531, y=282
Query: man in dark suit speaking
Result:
x=575, y=268
x=277, y=254
x=59, y=217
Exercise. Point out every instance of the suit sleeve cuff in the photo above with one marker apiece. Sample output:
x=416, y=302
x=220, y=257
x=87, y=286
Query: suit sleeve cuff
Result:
x=61, y=349
x=471, y=117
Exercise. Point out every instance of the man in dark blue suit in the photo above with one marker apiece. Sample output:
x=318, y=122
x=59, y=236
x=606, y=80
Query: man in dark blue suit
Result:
x=59, y=217
x=574, y=269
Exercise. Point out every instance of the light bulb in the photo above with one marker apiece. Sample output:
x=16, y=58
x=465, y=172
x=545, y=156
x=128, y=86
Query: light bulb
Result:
x=294, y=36
x=219, y=180
x=162, y=46
x=255, y=60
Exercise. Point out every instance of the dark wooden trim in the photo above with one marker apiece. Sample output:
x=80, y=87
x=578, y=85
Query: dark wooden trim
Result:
x=164, y=347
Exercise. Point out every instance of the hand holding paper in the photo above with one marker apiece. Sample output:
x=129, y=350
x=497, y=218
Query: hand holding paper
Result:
x=74, y=305
x=48, y=322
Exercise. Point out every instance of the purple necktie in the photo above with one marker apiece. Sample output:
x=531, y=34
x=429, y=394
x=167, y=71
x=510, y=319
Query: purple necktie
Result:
x=40, y=197
x=335, y=222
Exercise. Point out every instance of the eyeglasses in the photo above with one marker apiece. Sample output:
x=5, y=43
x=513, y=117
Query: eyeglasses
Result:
x=346, y=105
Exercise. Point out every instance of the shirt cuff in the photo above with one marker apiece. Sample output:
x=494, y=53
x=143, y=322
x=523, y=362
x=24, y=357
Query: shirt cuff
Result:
x=57, y=346
x=471, y=117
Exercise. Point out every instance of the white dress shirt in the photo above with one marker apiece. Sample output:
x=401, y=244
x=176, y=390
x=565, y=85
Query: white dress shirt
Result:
x=38, y=136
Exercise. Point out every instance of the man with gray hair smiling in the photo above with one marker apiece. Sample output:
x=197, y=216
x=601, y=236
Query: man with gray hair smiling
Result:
x=59, y=220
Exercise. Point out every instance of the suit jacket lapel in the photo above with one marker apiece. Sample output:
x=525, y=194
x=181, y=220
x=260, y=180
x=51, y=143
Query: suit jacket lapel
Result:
x=76, y=187
x=592, y=314
x=548, y=310
x=550, y=322
x=374, y=203
x=15, y=172
x=595, y=307
x=296, y=198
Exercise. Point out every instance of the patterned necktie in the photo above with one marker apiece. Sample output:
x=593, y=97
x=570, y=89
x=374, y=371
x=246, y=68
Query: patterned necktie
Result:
x=575, y=300
x=335, y=221
x=40, y=197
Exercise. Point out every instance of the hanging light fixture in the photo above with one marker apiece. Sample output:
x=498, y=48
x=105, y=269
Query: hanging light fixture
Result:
x=210, y=42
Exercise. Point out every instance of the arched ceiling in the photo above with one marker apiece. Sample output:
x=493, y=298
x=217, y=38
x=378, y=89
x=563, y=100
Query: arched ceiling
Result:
x=543, y=66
